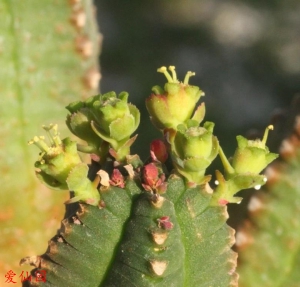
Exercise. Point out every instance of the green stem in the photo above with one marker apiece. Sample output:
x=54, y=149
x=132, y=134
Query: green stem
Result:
x=227, y=166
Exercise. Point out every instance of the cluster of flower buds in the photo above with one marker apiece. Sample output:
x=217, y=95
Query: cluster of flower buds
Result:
x=104, y=120
x=250, y=158
x=194, y=147
x=60, y=167
x=106, y=123
x=172, y=110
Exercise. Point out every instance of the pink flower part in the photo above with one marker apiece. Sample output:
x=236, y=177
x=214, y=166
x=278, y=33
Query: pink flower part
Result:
x=113, y=153
x=153, y=181
x=165, y=223
x=162, y=188
x=158, y=151
x=95, y=157
x=223, y=201
x=117, y=179
x=150, y=174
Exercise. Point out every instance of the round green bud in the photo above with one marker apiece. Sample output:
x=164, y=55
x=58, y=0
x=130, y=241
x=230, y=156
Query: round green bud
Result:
x=174, y=104
x=252, y=156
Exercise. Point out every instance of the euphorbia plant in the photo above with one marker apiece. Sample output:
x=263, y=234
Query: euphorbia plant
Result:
x=157, y=223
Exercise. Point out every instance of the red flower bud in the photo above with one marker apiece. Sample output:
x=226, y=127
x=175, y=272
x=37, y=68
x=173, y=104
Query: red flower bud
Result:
x=150, y=174
x=165, y=223
x=158, y=151
x=154, y=179
x=117, y=179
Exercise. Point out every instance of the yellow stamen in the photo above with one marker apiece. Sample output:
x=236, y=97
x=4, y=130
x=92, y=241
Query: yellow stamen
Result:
x=187, y=77
x=40, y=143
x=270, y=127
x=57, y=141
x=172, y=69
x=52, y=134
x=165, y=72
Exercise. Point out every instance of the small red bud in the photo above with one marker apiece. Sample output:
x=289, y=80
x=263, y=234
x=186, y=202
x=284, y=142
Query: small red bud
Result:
x=154, y=179
x=117, y=178
x=158, y=151
x=162, y=188
x=150, y=174
x=95, y=157
x=165, y=223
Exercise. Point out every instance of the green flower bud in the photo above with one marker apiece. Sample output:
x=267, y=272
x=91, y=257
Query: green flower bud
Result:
x=193, y=150
x=252, y=156
x=60, y=167
x=79, y=123
x=56, y=160
x=115, y=121
x=115, y=117
x=174, y=104
x=108, y=116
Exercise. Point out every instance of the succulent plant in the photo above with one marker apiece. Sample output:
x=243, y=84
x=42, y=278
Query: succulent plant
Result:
x=130, y=223
x=49, y=57
x=268, y=240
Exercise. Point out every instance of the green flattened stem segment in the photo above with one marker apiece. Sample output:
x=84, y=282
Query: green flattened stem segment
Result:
x=250, y=158
x=60, y=167
x=174, y=104
x=108, y=117
x=193, y=150
x=151, y=252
